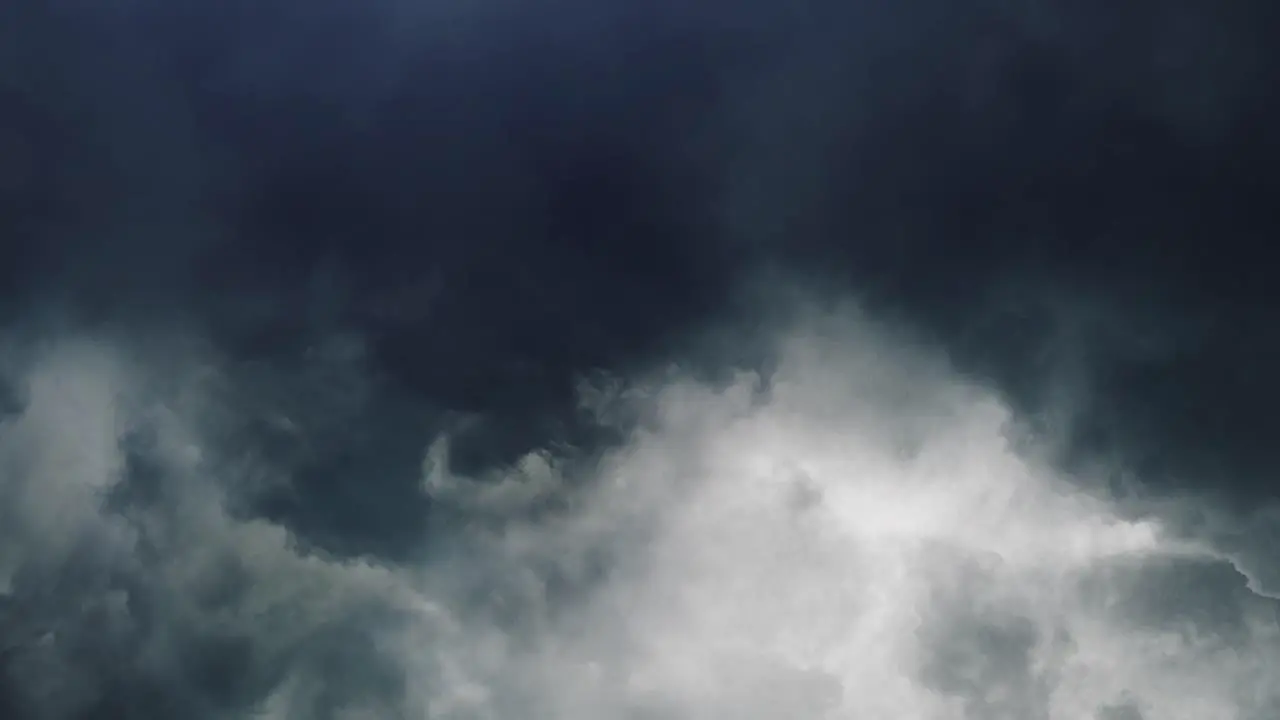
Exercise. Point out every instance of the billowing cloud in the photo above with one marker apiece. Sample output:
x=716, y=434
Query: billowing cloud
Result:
x=293, y=296
x=852, y=534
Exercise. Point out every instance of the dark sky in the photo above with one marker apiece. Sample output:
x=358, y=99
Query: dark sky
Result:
x=306, y=242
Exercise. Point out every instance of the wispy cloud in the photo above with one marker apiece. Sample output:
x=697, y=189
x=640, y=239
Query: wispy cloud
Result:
x=853, y=534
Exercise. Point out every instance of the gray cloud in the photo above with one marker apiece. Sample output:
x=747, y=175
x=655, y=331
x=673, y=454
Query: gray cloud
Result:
x=259, y=516
x=854, y=535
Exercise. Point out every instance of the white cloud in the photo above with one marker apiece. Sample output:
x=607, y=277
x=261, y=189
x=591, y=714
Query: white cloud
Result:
x=853, y=536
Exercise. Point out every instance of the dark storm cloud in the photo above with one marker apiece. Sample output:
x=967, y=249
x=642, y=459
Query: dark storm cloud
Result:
x=445, y=360
x=1021, y=177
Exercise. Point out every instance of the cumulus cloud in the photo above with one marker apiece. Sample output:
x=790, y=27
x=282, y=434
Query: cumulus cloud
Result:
x=853, y=534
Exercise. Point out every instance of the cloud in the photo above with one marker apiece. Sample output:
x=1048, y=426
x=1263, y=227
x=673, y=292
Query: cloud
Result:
x=852, y=527
x=852, y=534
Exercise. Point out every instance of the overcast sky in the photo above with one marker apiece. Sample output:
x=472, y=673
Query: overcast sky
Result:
x=638, y=360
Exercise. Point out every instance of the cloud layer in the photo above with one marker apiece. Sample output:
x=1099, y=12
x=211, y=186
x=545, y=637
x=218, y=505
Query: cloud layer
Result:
x=860, y=532
x=294, y=296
